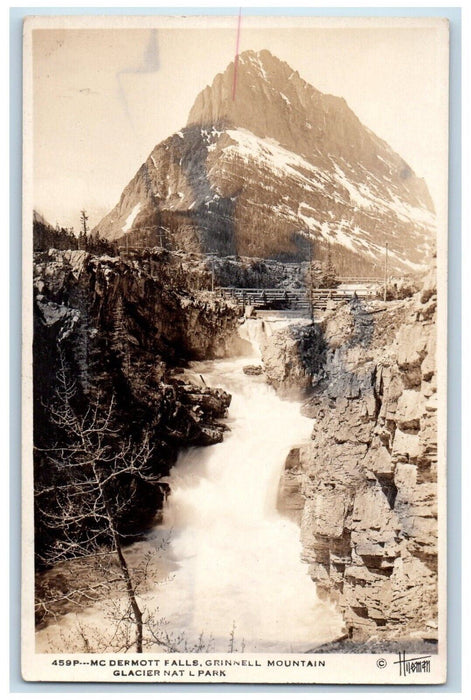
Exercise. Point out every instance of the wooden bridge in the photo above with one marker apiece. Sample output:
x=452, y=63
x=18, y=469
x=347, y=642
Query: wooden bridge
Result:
x=296, y=299
x=269, y=298
x=360, y=280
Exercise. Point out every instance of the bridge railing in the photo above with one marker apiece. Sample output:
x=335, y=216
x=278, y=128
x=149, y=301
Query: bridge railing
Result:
x=293, y=293
x=293, y=298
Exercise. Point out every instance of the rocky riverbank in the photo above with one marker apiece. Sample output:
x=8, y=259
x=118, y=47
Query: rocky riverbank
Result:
x=364, y=490
x=119, y=331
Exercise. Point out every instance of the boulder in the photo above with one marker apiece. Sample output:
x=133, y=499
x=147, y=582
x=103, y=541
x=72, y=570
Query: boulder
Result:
x=253, y=370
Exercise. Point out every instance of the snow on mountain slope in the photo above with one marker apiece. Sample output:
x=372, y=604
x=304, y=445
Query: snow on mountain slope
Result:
x=280, y=165
x=131, y=218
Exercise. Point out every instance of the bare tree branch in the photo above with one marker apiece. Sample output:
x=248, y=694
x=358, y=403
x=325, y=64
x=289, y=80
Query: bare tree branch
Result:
x=86, y=510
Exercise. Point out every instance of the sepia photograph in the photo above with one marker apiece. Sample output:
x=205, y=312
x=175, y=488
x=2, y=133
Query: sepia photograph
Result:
x=234, y=349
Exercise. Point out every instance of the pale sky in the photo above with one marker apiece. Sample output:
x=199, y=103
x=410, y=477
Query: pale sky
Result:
x=103, y=98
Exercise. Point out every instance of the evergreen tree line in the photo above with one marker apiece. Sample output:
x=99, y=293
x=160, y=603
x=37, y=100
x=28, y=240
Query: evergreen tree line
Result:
x=46, y=236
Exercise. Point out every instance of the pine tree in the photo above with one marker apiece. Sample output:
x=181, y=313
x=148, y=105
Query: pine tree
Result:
x=329, y=277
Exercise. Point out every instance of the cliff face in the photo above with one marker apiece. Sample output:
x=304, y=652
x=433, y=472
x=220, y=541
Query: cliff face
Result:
x=123, y=329
x=299, y=118
x=364, y=489
x=260, y=172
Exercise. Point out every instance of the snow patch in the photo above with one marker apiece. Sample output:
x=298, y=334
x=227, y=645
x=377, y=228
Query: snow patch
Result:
x=310, y=221
x=343, y=239
x=130, y=220
x=270, y=154
x=362, y=196
x=355, y=194
x=385, y=162
x=262, y=69
x=257, y=62
x=407, y=212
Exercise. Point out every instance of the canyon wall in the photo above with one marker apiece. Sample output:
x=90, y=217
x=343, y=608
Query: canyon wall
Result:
x=364, y=490
x=118, y=332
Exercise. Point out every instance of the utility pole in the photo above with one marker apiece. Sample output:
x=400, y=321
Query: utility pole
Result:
x=164, y=231
x=311, y=273
x=386, y=272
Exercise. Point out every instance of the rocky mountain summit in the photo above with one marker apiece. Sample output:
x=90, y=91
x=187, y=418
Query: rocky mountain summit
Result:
x=364, y=490
x=267, y=165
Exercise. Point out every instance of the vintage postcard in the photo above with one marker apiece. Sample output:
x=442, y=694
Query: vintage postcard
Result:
x=234, y=368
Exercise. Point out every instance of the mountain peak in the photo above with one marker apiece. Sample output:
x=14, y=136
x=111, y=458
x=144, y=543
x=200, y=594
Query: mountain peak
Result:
x=269, y=98
x=266, y=156
x=258, y=92
x=265, y=67
x=261, y=58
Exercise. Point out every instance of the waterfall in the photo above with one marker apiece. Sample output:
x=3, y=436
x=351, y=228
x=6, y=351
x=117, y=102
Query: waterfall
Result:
x=232, y=568
x=255, y=331
x=238, y=560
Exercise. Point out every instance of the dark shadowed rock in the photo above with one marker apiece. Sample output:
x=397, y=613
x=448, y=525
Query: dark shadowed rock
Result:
x=253, y=370
x=122, y=328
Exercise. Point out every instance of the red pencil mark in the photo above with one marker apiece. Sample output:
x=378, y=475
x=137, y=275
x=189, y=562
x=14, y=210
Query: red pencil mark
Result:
x=236, y=60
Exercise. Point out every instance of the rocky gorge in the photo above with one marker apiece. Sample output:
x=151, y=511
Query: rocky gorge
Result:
x=119, y=331
x=364, y=489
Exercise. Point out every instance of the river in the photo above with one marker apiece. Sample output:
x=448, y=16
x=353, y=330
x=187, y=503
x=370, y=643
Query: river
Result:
x=233, y=571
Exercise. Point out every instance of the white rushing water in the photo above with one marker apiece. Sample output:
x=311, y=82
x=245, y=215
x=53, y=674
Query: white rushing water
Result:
x=239, y=560
x=235, y=561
